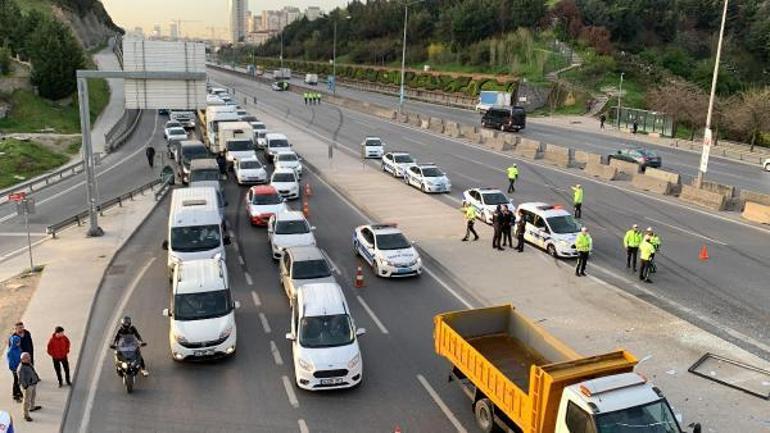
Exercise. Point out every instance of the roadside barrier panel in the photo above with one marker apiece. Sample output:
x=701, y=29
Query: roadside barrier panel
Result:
x=451, y=129
x=424, y=122
x=528, y=153
x=756, y=197
x=649, y=183
x=470, y=132
x=624, y=167
x=702, y=197
x=414, y=120
x=558, y=155
x=488, y=133
x=526, y=143
x=385, y=113
x=403, y=117
x=728, y=191
x=436, y=125
x=499, y=144
x=582, y=158
x=604, y=172
x=758, y=213
x=668, y=176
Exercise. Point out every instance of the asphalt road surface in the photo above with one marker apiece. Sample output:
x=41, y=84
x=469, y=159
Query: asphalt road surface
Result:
x=726, y=295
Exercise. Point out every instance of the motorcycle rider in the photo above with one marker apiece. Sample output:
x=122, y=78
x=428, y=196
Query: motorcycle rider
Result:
x=126, y=328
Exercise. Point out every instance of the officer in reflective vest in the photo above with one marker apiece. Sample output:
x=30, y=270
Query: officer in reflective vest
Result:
x=470, y=219
x=306, y=96
x=646, y=251
x=583, y=245
x=631, y=242
x=513, y=174
x=577, y=200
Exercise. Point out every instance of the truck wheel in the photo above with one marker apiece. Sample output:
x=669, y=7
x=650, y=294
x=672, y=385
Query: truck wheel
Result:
x=485, y=418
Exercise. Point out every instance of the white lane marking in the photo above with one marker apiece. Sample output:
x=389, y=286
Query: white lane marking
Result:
x=265, y=323
x=287, y=385
x=447, y=288
x=441, y=405
x=89, y=405
x=685, y=231
x=376, y=320
x=472, y=179
x=21, y=235
x=276, y=354
x=240, y=260
x=255, y=298
x=303, y=426
x=247, y=276
x=412, y=140
x=105, y=171
x=22, y=249
x=335, y=268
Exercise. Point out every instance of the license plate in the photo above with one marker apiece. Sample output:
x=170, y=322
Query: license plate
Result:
x=203, y=352
x=334, y=381
x=403, y=270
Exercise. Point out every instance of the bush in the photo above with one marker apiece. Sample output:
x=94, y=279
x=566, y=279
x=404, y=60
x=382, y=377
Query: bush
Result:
x=5, y=61
x=55, y=55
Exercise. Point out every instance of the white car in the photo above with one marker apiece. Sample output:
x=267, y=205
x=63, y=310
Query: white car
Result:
x=288, y=159
x=550, y=227
x=485, y=201
x=428, y=178
x=387, y=250
x=241, y=113
x=372, y=147
x=239, y=148
x=249, y=170
x=289, y=228
x=172, y=124
x=324, y=339
x=396, y=163
x=766, y=164
x=175, y=133
x=202, y=311
x=262, y=202
x=285, y=181
x=274, y=143
x=303, y=265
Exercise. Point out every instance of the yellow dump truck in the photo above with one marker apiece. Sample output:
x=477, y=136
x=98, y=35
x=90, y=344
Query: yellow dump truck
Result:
x=522, y=379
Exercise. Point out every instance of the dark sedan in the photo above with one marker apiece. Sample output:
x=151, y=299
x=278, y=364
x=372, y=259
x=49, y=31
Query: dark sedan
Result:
x=644, y=157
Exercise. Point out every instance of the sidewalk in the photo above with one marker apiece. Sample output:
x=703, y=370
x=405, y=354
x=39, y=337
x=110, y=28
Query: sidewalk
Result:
x=106, y=61
x=591, y=315
x=74, y=267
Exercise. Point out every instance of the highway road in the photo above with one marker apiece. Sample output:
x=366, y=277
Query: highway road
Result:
x=118, y=173
x=686, y=163
x=725, y=295
x=253, y=392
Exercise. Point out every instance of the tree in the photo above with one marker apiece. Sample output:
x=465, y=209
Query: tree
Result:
x=527, y=13
x=55, y=56
x=683, y=101
x=748, y=113
x=5, y=60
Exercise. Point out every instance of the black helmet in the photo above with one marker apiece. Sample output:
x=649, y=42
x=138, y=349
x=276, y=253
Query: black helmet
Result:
x=125, y=322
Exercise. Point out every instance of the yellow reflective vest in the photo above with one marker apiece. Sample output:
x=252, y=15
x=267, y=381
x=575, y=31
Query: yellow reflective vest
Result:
x=578, y=196
x=633, y=239
x=513, y=172
x=646, y=250
x=470, y=213
x=583, y=242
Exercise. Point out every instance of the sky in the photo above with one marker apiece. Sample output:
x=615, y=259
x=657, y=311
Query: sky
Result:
x=201, y=13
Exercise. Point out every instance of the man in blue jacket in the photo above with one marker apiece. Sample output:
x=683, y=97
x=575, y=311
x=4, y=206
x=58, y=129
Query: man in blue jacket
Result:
x=13, y=355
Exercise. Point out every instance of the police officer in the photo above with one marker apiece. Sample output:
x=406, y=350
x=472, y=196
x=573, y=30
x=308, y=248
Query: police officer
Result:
x=470, y=219
x=305, y=96
x=507, y=220
x=631, y=242
x=577, y=200
x=521, y=226
x=583, y=245
x=497, y=226
x=655, y=241
x=319, y=97
x=646, y=252
x=513, y=174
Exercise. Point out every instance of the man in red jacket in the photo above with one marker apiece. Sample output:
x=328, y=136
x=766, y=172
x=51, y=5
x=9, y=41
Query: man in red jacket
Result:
x=59, y=348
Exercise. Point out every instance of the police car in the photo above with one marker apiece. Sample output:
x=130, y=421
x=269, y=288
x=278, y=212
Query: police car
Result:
x=396, y=163
x=372, y=147
x=387, y=250
x=550, y=227
x=485, y=201
x=428, y=178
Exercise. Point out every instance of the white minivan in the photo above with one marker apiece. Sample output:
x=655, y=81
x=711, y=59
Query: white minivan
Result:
x=275, y=143
x=324, y=339
x=195, y=227
x=202, y=311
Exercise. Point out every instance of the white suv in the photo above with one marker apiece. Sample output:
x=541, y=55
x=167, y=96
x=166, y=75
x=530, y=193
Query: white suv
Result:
x=289, y=229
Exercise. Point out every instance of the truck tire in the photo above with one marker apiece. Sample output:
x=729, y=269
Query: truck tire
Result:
x=485, y=417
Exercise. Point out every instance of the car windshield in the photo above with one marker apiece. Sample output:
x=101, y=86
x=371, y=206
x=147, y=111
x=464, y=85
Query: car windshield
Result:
x=239, y=145
x=287, y=157
x=195, y=238
x=250, y=164
x=392, y=241
x=173, y=124
x=326, y=331
x=647, y=153
x=291, y=227
x=403, y=159
x=283, y=177
x=655, y=417
x=249, y=118
x=266, y=199
x=203, y=305
x=279, y=143
x=195, y=152
x=563, y=224
x=257, y=125
x=375, y=143
x=495, y=198
x=208, y=174
x=176, y=131
x=309, y=269
x=432, y=172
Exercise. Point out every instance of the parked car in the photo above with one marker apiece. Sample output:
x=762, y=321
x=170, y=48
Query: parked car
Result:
x=766, y=164
x=505, y=118
x=644, y=157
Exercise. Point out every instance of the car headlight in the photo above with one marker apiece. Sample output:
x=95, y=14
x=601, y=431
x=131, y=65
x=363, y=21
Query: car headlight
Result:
x=180, y=338
x=387, y=262
x=354, y=362
x=307, y=366
x=226, y=332
x=124, y=365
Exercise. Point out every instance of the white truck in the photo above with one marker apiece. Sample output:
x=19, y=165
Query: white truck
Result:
x=311, y=79
x=215, y=115
x=282, y=74
x=492, y=98
x=237, y=139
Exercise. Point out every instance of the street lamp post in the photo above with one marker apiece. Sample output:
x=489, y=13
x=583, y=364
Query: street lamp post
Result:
x=707, y=138
x=281, y=50
x=334, y=60
x=403, y=54
x=620, y=95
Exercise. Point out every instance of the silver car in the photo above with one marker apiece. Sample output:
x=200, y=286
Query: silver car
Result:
x=303, y=265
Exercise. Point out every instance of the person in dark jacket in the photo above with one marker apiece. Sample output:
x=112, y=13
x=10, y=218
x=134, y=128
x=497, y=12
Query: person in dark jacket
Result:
x=59, y=348
x=126, y=328
x=28, y=380
x=507, y=220
x=521, y=226
x=13, y=356
x=26, y=340
x=497, y=226
x=150, y=153
x=222, y=163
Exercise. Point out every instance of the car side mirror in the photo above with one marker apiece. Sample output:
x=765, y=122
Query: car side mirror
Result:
x=166, y=313
x=227, y=240
x=290, y=336
x=237, y=305
x=360, y=332
x=164, y=245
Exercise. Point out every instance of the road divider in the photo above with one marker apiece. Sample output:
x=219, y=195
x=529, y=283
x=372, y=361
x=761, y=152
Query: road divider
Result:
x=601, y=171
x=626, y=170
x=701, y=197
x=559, y=156
x=755, y=212
x=649, y=183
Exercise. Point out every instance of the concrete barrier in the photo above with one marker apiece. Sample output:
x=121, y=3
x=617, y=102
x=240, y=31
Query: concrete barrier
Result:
x=403, y=117
x=385, y=113
x=528, y=153
x=424, y=122
x=728, y=191
x=470, y=132
x=488, y=133
x=604, y=172
x=436, y=125
x=582, y=158
x=451, y=129
x=668, y=176
x=414, y=120
x=499, y=144
x=756, y=212
x=702, y=197
x=756, y=197
x=558, y=155
x=625, y=168
x=653, y=184
x=526, y=143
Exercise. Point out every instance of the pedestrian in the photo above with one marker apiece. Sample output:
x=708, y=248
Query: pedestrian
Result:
x=222, y=163
x=318, y=94
x=26, y=340
x=305, y=96
x=507, y=220
x=646, y=251
x=513, y=174
x=655, y=241
x=631, y=242
x=59, y=348
x=583, y=245
x=602, y=119
x=28, y=380
x=497, y=226
x=470, y=219
x=635, y=126
x=13, y=356
x=577, y=200
x=150, y=153
x=521, y=226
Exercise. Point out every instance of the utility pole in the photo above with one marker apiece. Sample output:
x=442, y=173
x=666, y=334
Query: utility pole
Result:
x=620, y=95
x=281, y=50
x=88, y=158
x=707, y=137
x=334, y=60
x=403, y=59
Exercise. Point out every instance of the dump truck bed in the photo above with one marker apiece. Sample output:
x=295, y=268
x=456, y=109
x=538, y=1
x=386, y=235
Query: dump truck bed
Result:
x=509, y=355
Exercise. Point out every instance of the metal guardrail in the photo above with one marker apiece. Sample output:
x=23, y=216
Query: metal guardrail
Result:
x=45, y=180
x=82, y=217
x=122, y=129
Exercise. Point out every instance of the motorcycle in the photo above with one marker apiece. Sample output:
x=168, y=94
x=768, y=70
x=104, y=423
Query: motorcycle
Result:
x=127, y=359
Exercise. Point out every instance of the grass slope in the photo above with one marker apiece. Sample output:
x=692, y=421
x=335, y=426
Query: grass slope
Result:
x=26, y=159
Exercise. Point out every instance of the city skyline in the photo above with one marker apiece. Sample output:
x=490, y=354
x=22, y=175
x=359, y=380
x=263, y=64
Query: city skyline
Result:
x=197, y=17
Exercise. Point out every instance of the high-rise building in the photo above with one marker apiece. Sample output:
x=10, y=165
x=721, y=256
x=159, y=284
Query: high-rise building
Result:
x=255, y=24
x=289, y=14
x=312, y=13
x=237, y=20
x=156, y=33
x=173, y=30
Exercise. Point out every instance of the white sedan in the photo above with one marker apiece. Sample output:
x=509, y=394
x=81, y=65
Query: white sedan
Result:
x=289, y=229
x=485, y=201
x=387, y=250
x=766, y=164
x=285, y=181
x=175, y=133
x=288, y=159
x=428, y=178
x=249, y=170
x=372, y=147
x=396, y=163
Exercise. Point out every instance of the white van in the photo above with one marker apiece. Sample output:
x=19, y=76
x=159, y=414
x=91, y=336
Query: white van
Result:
x=195, y=227
x=324, y=339
x=202, y=311
x=311, y=79
x=238, y=141
x=215, y=115
x=274, y=143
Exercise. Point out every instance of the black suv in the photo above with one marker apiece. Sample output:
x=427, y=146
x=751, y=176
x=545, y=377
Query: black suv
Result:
x=505, y=118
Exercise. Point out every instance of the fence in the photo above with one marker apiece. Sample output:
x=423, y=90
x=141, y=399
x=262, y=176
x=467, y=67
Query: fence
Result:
x=647, y=121
x=122, y=129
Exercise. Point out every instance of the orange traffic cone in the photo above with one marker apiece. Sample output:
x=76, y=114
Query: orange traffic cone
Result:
x=308, y=191
x=359, y=277
x=704, y=253
x=306, y=208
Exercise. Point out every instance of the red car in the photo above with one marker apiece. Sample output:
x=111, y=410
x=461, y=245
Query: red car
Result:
x=262, y=202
